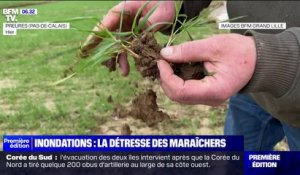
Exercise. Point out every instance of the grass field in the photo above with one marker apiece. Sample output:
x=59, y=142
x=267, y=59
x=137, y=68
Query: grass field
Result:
x=32, y=60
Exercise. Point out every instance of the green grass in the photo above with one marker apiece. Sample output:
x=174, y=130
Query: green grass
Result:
x=34, y=59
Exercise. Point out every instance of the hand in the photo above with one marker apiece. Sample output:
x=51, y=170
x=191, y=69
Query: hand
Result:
x=230, y=57
x=164, y=13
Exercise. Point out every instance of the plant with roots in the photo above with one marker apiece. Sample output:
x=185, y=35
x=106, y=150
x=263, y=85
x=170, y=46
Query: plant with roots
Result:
x=139, y=43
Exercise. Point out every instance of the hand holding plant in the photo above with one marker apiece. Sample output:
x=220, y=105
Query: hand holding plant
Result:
x=230, y=57
x=199, y=72
x=125, y=16
x=107, y=40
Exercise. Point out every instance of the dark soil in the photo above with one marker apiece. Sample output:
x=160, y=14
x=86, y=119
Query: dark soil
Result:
x=110, y=99
x=125, y=130
x=143, y=107
x=148, y=49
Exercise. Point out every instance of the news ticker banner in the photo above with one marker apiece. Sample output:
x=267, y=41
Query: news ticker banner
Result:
x=94, y=154
x=121, y=143
x=140, y=155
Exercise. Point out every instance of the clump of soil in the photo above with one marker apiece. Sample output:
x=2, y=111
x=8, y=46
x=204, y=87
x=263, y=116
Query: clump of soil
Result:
x=144, y=107
x=148, y=51
x=110, y=99
x=125, y=130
